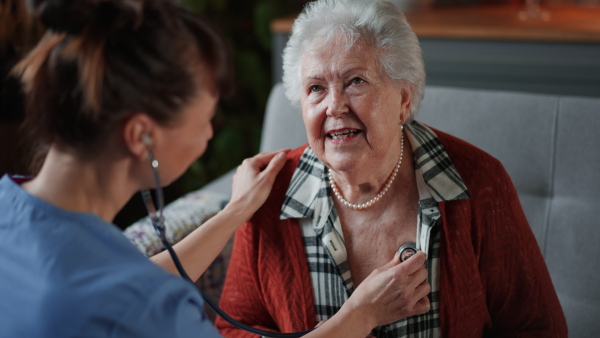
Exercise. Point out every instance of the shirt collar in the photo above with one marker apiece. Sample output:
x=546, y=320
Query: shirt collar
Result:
x=432, y=164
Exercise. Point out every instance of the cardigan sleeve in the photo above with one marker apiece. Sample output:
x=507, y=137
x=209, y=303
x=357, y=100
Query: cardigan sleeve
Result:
x=520, y=296
x=242, y=295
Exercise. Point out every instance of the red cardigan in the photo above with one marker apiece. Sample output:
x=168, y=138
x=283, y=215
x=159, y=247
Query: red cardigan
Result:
x=493, y=278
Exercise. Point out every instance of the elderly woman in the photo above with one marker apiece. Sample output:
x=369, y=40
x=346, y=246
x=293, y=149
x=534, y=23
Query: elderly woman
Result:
x=373, y=179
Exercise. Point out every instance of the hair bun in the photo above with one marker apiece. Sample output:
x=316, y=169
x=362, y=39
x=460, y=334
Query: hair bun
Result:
x=72, y=16
x=64, y=15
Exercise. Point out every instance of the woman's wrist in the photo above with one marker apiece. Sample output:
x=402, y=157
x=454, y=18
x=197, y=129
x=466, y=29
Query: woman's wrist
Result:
x=348, y=322
x=354, y=313
x=236, y=213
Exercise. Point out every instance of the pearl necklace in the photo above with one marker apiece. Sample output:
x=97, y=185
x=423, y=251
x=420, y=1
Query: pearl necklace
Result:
x=383, y=191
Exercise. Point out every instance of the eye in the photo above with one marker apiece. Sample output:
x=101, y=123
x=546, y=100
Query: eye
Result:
x=315, y=88
x=357, y=81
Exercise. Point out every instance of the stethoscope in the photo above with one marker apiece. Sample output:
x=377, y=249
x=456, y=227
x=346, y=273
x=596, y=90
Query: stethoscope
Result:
x=407, y=250
x=158, y=222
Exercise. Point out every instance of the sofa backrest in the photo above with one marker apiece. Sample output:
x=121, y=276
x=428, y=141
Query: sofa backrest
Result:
x=517, y=129
x=573, y=225
x=548, y=145
x=283, y=126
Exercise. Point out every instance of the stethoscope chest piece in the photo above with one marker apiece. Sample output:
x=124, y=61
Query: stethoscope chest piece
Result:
x=407, y=250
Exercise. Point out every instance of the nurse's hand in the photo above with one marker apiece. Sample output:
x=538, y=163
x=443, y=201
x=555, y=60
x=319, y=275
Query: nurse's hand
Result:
x=253, y=181
x=252, y=184
x=390, y=293
x=394, y=291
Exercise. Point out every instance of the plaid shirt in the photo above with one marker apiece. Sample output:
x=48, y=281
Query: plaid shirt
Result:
x=309, y=199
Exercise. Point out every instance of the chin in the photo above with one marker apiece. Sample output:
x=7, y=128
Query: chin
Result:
x=169, y=180
x=345, y=164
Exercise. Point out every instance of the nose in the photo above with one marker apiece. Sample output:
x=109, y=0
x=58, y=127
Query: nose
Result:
x=337, y=103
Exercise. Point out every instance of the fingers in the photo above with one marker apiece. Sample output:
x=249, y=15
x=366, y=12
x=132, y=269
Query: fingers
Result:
x=412, y=267
x=262, y=160
x=423, y=305
x=414, y=263
x=422, y=290
x=277, y=162
x=264, y=167
x=254, y=178
x=394, y=261
x=391, y=293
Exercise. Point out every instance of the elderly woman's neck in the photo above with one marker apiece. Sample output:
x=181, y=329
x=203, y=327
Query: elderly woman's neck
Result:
x=362, y=184
x=98, y=185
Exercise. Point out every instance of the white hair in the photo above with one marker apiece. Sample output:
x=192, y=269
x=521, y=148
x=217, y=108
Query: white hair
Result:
x=379, y=23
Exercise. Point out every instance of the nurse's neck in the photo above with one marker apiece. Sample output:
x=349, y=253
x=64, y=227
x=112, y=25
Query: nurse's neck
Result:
x=99, y=185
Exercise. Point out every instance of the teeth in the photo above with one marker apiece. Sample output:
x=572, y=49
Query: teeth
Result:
x=343, y=134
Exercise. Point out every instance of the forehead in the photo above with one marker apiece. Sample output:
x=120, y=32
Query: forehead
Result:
x=337, y=58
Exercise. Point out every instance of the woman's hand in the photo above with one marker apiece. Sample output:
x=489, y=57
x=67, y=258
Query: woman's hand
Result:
x=394, y=291
x=390, y=293
x=252, y=184
x=253, y=181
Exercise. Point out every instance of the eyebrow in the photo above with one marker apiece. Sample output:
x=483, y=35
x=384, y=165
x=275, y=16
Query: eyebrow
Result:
x=312, y=78
x=354, y=69
x=343, y=73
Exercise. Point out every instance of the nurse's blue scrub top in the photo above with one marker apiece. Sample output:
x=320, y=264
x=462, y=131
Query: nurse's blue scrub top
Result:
x=65, y=274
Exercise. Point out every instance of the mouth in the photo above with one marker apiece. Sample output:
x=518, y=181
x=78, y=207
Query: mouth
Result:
x=343, y=134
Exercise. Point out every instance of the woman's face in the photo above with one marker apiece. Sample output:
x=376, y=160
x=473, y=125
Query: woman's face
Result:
x=187, y=139
x=352, y=112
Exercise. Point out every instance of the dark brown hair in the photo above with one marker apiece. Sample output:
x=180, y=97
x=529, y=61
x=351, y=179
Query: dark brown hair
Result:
x=103, y=60
x=17, y=29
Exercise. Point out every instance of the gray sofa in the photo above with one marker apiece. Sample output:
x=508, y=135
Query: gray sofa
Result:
x=549, y=146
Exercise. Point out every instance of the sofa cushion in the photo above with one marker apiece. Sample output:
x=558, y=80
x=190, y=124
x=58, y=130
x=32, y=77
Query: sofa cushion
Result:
x=182, y=216
x=573, y=235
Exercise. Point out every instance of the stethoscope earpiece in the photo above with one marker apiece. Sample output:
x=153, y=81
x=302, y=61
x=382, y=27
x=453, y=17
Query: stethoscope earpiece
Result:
x=147, y=140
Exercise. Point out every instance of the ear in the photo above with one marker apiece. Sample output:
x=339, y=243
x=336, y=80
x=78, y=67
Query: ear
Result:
x=405, y=104
x=138, y=131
